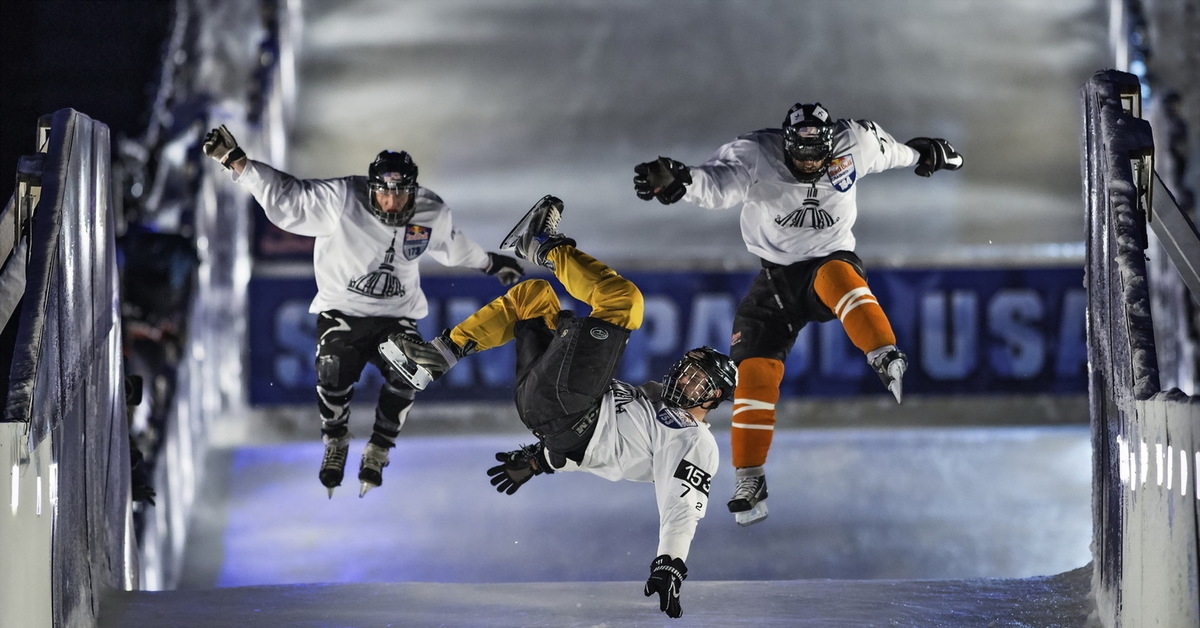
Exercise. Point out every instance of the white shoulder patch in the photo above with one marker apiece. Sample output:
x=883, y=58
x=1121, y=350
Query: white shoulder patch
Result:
x=675, y=418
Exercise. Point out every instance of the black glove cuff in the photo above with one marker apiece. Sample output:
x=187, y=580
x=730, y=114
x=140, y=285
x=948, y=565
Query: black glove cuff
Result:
x=497, y=263
x=670, y=565
x=538, y=462
x=234, y=155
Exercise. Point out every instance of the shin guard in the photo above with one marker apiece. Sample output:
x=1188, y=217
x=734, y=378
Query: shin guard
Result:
x=390, y=414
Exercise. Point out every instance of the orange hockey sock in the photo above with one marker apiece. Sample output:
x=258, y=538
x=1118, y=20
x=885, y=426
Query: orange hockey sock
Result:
x=845, y=292
x=754, y=410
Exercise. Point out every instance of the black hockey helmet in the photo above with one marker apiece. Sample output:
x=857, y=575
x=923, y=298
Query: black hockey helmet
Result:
x=700, y=376
x=393, y=173
x=807, y=137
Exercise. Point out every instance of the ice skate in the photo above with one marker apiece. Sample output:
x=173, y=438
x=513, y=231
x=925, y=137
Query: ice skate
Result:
x=537, y=232
x=749, y=503
x=333, y=465
x=416, y=375
x=890, y=364
x=420, y=362
x=370, y=470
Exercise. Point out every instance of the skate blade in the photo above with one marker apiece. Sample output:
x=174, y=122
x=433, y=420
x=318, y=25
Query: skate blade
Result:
x=897, y=383
x=510, y=241
x=364, y=488
x=752, y=516
x=416, y=375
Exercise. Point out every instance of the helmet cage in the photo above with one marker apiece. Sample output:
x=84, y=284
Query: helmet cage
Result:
x=392, y=187
x=403, y=180
x=701, y=376
x=808, y=137
x=808, y=142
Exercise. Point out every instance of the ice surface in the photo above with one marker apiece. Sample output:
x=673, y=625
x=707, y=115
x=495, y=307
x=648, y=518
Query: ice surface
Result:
x=854, y=504
x=868, y=527
x=1057, y=602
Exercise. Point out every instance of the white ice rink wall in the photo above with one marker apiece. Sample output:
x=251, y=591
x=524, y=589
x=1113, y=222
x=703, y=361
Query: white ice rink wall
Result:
x=66, y=535
x=1146, y=441
x=64, y=527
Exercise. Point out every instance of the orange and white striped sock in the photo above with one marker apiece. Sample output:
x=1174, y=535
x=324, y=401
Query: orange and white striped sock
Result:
x=845, y=292
x=754, y=402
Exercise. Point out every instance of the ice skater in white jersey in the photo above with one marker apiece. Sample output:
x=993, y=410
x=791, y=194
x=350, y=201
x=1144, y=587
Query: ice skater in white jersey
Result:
x=566, y=395
x=371, y=234
x=796, y=187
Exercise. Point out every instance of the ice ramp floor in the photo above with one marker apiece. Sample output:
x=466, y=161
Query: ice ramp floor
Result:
x=853, y=504
x=868, y=527
x=1054, y=602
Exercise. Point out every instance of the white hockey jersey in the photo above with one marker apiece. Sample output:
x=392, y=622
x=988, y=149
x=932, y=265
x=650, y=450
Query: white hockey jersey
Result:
x=362, y=266
x=642, y=440
x=783, y=220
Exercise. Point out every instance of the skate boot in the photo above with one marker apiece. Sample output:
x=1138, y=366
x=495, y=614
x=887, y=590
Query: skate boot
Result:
x=420, y=362
x=370, y=470
x=536, y=234
x=749, y=503
x=333, y=465
x=889, y=363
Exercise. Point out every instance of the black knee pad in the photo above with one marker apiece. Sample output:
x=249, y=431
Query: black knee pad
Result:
x=328, y=371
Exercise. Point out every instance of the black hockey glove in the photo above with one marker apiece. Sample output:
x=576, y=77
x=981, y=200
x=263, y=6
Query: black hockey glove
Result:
x=517, y=467
x=936, y=154
x=664, y=179
x=504, y=268
x=666, y=578
x=220, y=145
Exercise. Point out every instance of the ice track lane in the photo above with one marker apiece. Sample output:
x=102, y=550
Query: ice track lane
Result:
x=868, y=527
x=1057, y=602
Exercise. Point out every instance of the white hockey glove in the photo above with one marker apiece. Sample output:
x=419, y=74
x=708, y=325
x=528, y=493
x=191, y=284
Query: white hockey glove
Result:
x=664, y=179
x=517, y=467
x=666, y=578
x=220, y=145
x=504, y=268
x=936, y=154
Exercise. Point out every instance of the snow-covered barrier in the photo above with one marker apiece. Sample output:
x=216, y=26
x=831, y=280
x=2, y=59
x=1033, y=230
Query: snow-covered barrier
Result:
x=1146, y=440
x=66, y=526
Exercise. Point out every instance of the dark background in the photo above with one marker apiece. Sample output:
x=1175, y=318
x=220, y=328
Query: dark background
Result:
x=99, y=57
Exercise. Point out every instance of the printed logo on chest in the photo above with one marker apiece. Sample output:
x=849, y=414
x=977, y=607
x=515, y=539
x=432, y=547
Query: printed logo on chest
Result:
x=380, y=283
x=808, y=215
